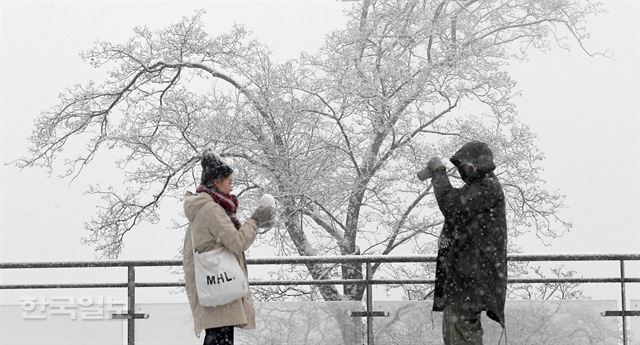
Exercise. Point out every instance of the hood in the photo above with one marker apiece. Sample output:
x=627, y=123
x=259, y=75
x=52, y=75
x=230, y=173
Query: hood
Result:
x=477, y=154
x=193, y=203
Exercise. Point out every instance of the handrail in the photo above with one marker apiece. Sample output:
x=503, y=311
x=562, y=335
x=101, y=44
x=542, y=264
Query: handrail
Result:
x=131, y=283
x=319, y=259
x=313, y=282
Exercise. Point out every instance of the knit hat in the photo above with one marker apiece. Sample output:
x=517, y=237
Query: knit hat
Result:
x=213, y=166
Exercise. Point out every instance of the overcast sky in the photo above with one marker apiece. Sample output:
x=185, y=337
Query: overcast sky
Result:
x=584, y=110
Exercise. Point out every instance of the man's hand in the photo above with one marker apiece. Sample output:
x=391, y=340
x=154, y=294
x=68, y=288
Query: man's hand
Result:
x=435, y=163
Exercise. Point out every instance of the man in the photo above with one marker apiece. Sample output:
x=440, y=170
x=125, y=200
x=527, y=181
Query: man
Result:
x=471, y=269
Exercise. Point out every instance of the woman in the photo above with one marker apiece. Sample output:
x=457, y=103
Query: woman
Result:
x=212, y=222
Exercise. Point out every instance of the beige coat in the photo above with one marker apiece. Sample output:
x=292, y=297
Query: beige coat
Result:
x=212, y=228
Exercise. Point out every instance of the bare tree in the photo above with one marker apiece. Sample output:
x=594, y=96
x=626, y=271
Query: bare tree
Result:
x=336, y=136
x=548, y=291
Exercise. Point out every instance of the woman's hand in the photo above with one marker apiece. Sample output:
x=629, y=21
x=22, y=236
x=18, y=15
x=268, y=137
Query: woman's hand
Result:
x=264, y=216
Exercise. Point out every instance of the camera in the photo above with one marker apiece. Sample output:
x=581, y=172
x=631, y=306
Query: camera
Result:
x=425, y=174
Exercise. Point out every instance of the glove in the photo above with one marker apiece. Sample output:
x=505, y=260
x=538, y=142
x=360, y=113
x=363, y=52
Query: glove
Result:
x=264, y=216
x=435, y=163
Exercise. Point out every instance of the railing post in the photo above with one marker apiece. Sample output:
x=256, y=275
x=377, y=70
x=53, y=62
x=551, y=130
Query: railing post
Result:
x=131, y=305
x=369, y=306
x=624, y=304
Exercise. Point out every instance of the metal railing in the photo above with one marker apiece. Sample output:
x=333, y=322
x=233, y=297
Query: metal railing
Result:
x=367, y=260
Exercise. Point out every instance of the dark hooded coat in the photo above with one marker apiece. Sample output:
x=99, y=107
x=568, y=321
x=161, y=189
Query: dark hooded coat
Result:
x=471, y=269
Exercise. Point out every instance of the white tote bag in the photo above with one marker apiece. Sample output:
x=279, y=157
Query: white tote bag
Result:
x=219, y=278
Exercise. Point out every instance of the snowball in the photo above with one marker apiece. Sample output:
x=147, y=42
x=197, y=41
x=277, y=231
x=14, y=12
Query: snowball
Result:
x=267, y=200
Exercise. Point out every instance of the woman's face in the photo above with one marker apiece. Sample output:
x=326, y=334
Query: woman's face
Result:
x=225, y=184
